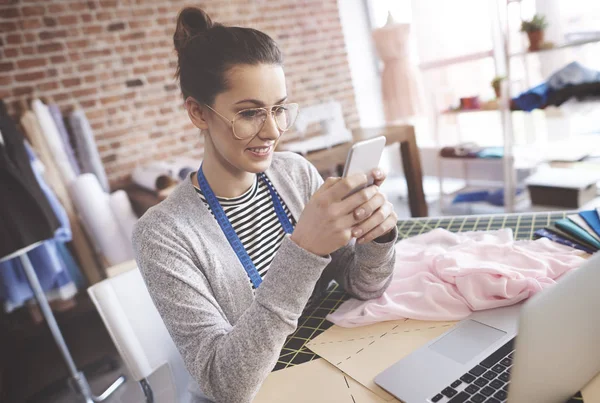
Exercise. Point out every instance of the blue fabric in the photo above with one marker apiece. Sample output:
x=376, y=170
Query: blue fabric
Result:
x=592, y=219
x=533, y=98
x=52, y=261
x=544, y=233
x=491, y=152
x=572, y=74
x=63, y=233
x=48, y=265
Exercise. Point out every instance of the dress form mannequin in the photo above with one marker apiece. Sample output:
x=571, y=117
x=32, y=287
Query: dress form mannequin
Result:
x=400, y=79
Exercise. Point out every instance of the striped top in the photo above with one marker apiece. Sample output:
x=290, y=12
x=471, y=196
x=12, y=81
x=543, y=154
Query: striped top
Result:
x=252, y=216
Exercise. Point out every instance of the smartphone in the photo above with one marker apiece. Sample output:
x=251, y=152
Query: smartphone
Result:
x=364, y=157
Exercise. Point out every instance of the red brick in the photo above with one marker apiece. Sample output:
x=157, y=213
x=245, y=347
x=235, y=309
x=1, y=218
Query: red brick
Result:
x=141, y=70
x=50, y=22
x=9, y=13
x=92, y=5
x=88, y=104
x=108, y=3
x=28, y=50
x=5, y=80
x=79, y=44
x=44, y=35
x=18, y=91
x=52, y=85
x=86, y=67
x=104, y=16
x=90, y=79
x=61, y=97
x=92, y=30
x=14, y=39
x=85, y=92
x=78, y=6
x=33, y=76
x=68, y=20
x=8, y=66
x=58, y=59
x=144, y=12
x=71, y=82
x=33, y=23
x=97, y=53
x=52, y=72
x=50, y=47
x=133, y=36
x=86, y=17
x=57, y=8
x=28, y=63
x=117, y=26
x=32, y=11
x=110, y=100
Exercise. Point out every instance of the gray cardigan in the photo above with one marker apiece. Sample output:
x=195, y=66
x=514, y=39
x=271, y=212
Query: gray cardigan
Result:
x=229, y=338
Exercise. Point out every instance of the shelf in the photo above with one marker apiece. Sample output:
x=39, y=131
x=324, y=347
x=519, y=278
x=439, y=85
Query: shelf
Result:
x=558, y=47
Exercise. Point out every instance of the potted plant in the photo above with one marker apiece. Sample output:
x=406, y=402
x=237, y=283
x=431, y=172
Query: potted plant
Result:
x=496, y=82
x=535, y=31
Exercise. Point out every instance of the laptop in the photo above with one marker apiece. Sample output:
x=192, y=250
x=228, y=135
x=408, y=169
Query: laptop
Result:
x=481, y=359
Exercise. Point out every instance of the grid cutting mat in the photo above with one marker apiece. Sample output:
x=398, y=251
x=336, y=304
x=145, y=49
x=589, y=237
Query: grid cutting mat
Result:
x=313, y=322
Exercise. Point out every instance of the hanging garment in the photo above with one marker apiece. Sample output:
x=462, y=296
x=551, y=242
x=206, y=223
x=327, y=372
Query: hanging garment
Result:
x=53, y=141
x=57, y=117
x=51, y=271
x=86, y=148
x=400, y=81
x=81, y=246
x=442, y=275
x=26, y=217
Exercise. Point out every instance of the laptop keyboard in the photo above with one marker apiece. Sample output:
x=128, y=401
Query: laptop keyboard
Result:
x=485, y=383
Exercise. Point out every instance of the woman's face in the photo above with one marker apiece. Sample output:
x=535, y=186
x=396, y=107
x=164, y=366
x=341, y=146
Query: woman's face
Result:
x=249, y=86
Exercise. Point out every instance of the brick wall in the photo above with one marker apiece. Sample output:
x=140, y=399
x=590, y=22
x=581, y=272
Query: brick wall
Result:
x=115, y=59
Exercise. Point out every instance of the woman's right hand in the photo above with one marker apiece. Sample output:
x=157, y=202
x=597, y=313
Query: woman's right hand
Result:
x=326, y=222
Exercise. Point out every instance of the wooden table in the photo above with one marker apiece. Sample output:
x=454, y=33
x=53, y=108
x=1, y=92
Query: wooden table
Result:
x=409, y=153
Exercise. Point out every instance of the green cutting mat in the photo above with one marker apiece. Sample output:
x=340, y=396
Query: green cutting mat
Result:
x=313, y=322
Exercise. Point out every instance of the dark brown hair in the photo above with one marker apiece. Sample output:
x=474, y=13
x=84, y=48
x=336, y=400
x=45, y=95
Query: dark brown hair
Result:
x=207, y=50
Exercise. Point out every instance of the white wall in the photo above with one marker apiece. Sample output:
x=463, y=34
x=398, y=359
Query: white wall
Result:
x=362, y=57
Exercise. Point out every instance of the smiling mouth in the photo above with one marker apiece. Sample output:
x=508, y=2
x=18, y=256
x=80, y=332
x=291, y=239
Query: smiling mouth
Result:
x=260, y=150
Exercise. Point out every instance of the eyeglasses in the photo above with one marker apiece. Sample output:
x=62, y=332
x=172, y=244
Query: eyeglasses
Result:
x=247, y=123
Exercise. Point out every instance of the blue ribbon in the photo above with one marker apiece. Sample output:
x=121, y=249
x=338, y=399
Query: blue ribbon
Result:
x=230, y=233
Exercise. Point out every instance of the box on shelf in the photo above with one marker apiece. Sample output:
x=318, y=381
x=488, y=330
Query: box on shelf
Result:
x=570, y=188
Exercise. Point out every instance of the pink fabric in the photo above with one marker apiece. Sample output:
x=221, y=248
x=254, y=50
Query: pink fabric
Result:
x=441, y=275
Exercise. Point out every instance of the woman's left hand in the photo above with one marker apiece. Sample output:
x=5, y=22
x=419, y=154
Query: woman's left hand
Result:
x=377, y=217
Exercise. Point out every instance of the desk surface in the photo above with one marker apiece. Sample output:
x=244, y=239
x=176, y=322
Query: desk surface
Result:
x=313, y=322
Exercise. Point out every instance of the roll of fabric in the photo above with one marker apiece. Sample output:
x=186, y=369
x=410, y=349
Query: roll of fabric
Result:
x=99, y=221
x=55, y=144
x=57, y=117
x=155, y=176
x=123, y=212
x=89, y=157
x=81, y=245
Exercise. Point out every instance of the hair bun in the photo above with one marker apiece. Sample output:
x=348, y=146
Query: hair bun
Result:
x=191, y=22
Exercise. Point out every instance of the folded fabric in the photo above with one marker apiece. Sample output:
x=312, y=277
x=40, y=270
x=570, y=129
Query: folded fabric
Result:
x=155, y=176
x=572, y=74
x=566, y=225
x=89, y=158
x=545, y=233
x=441, y=275
x=577, y=219
x=592, y=219
x=554, y=229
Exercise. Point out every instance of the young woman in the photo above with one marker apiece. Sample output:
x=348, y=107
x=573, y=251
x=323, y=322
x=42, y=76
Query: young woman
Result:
x=232, y=257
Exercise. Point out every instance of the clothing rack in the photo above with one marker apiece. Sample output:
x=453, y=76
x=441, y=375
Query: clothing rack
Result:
x=77, y=380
